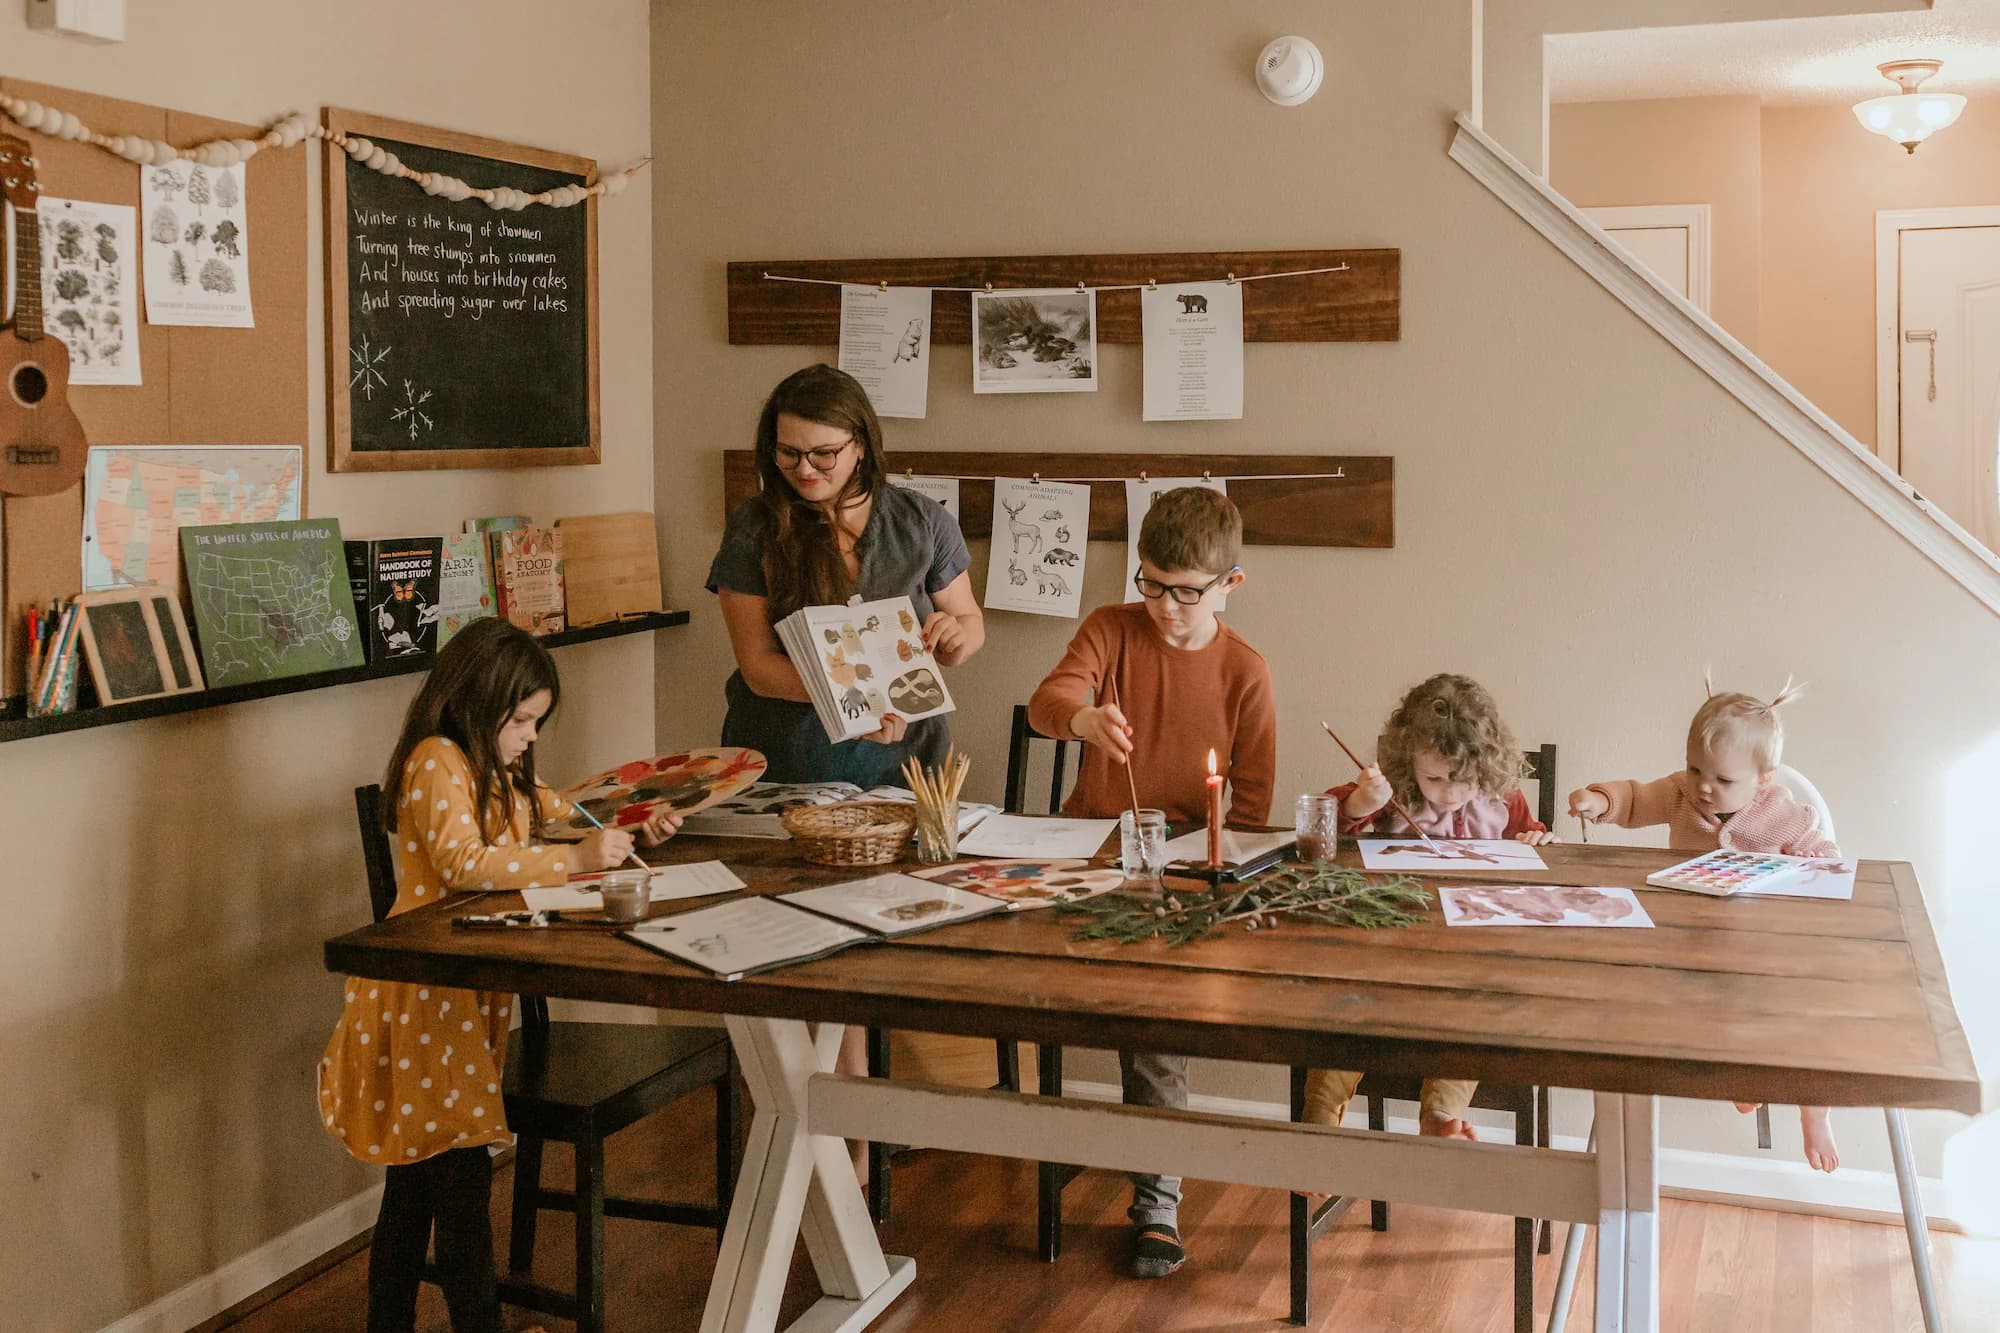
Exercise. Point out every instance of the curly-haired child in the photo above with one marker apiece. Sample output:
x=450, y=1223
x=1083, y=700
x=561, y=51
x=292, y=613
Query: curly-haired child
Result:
x=1449, y=759
x=1726, y=797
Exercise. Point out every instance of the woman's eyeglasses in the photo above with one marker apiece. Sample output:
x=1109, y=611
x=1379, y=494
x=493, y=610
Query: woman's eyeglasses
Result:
x=823, y=458
x=1152, y=589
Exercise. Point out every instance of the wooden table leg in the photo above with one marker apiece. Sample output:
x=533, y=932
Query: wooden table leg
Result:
x=1628, y=1228
x=794, y=1183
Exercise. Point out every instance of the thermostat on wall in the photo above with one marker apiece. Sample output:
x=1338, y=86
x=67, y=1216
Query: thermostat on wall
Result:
x=96, y=20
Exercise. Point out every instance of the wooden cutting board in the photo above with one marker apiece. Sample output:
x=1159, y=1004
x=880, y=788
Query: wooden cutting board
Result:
x=611, y=565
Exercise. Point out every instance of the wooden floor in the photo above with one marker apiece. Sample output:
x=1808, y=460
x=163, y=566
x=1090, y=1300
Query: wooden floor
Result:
x=970, y=1221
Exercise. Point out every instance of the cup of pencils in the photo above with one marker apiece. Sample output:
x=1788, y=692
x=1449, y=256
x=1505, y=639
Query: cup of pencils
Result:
x=937, y=791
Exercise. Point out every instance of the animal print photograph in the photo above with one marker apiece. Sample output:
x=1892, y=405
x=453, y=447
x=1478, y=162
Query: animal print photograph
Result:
x=1040, y=531
x=1034, y=341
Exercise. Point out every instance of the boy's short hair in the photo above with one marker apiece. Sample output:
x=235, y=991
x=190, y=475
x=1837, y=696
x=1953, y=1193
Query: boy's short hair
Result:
x=1192, y=527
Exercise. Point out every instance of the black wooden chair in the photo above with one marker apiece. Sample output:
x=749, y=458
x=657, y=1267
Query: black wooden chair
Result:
x=1528, y=1105
x=1006, y=1054
x=580, y=1083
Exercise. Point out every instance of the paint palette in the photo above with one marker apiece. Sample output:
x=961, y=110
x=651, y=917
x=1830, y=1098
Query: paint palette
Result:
x=688, y=780
x=1724, y=872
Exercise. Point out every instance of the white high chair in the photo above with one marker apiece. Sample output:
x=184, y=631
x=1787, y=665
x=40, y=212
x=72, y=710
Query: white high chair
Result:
x=1802, y=791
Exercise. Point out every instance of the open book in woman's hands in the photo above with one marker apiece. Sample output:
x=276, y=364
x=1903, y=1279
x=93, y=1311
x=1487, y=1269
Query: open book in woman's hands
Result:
x=863, y=660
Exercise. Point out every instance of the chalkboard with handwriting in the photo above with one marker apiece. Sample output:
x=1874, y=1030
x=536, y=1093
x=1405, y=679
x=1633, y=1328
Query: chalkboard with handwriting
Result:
x=458, y=335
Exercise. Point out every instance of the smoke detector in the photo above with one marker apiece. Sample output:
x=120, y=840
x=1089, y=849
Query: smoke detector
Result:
x=1289, y=70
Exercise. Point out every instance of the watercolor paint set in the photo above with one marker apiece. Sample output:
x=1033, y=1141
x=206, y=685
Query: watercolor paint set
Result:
x=1724, y=872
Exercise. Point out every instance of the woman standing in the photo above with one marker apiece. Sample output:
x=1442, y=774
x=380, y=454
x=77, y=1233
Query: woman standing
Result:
x=825, y=526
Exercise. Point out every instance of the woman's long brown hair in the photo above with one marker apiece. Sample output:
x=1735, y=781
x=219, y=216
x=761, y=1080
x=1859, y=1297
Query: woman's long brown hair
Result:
x=478, y=681
x=802, y=564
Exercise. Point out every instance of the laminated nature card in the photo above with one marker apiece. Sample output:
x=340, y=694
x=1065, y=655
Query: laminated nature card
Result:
x=894, y=904
x=885, y=343
x=1039, y=534
x=745, y=935
x=1540, y=905
x=197, y=259
x=863, y=660
x=270, y=599
x=1034, y=341
x=90, y=287
x=1026, y=884
x=1139, y=497
x=1193, y=335
x=1037, y=837
x=1413, y=853
x=944, y=490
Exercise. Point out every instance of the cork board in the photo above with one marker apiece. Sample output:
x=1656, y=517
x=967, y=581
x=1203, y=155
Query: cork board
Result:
x=202, y=386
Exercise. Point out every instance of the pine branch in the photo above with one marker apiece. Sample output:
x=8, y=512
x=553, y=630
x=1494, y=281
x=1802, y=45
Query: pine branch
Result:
x=1334, y=895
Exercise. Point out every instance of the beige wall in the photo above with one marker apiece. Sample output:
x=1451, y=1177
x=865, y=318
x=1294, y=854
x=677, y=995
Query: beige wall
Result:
x=169, y=883
x=1804, y=296
x=1583, y=521
x=1688, y=151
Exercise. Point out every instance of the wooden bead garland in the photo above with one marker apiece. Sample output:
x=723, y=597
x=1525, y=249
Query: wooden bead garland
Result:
x=289, y=133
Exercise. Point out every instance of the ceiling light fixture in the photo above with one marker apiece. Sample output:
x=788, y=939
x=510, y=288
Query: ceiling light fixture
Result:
x=1909, y=117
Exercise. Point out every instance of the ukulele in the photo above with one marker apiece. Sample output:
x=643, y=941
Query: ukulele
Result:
x=42, y=448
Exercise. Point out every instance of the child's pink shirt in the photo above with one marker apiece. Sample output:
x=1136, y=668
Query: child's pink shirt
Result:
x=1774, y=821
x=1480, y=817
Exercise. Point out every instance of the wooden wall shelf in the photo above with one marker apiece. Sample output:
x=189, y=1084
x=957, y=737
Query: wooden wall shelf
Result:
x=1363, y=304
x=1286, y=499
x=16, y=728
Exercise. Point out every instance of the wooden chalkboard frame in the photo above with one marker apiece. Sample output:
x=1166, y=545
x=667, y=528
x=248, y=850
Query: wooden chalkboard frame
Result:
x=341, y=455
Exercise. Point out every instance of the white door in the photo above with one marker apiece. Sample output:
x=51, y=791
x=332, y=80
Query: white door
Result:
x=1669, y=239
x=1948, y=373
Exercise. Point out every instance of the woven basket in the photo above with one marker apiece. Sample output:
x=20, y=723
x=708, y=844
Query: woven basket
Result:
x=852, y=833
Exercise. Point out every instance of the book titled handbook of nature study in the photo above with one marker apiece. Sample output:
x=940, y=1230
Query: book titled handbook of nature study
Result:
x=863, y=660
x=395, y=582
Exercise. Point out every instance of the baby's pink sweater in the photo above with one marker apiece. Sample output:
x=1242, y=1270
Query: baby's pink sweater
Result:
x=1773, y=821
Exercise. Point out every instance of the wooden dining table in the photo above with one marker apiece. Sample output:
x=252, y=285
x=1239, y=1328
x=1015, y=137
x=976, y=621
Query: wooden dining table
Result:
x=1837, y=1003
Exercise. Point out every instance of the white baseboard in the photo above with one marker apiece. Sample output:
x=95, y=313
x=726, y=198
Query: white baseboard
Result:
x=246, y=1275
x=1785, y=1186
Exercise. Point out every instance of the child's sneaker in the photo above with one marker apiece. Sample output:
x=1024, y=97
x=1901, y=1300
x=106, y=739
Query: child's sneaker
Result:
x=1157, y=1250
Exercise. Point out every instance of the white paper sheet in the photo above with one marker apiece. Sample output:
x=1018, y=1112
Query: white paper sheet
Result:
x=944, y=490
x=1041, y=341
x=1541, y=905
x=894, y=904
x=1193, y=351
x=885, y=343
x=1823, y=877
x=697, y=879
x=1139, y=497
x=1034, y=837
x=746, y=935
x=90, y=287
x=1238, y=846
x=197, y=249
x=1040, y=532
x=1410, y=853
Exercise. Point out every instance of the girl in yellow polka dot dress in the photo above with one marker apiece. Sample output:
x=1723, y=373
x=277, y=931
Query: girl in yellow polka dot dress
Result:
x=411, y=1078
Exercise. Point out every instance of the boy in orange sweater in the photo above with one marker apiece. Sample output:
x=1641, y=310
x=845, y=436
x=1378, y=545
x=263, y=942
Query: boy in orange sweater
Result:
x=1185, y=684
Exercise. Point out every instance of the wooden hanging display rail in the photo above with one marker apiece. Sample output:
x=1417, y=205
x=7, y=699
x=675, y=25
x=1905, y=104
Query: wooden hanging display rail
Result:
x=1286, y=499
x=1360, y=304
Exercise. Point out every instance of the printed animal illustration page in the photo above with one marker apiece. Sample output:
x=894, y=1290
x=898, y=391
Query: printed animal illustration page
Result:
x=885, y=343
x=863, y=660
x=1040, y=530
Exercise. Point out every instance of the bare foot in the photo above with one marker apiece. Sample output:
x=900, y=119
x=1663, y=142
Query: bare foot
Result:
x=1747, y=1107
x=1821, y=1153
x=1434, y=1126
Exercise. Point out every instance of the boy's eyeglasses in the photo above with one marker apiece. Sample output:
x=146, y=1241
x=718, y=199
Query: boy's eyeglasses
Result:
x=823, y=458
x=1152, y=589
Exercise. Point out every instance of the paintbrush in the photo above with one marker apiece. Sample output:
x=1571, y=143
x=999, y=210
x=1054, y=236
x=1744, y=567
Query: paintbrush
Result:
x=1131, y=778
x=1394, y=804
x=633, y=857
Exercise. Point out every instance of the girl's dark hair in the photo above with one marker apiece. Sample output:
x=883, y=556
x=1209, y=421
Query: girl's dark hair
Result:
x=802, y=564
x=1456, y=717
x=478, y=681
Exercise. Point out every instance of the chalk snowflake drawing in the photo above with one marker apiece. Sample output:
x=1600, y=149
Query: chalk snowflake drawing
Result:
x=409, y=413
x=366, y=365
